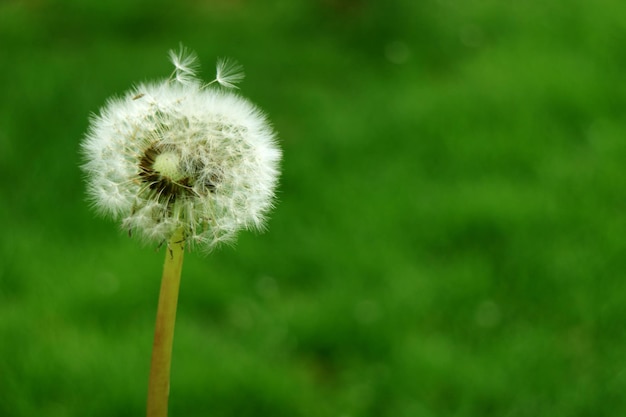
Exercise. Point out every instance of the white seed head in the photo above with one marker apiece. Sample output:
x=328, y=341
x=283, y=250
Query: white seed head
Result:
x=177, y=153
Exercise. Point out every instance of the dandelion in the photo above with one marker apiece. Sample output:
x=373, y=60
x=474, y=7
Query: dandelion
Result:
x=177, y=154
x=181, y=162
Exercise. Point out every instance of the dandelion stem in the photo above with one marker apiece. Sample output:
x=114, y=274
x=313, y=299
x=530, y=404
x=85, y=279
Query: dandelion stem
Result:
x=159, y=384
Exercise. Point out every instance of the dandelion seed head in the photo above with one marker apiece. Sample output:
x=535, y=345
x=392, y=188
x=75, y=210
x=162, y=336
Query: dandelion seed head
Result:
x=175, y=154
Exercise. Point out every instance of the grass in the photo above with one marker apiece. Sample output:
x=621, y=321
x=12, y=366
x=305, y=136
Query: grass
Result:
x=449, y=239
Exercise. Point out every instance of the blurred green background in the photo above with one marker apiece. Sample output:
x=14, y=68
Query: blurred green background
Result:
x=449, y=238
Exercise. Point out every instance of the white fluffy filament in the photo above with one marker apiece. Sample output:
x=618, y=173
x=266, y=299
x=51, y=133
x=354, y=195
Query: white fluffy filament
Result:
x=229, y=72
x=185, y=65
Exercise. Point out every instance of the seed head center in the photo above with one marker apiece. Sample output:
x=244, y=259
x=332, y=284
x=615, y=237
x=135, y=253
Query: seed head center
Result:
x=166, y=165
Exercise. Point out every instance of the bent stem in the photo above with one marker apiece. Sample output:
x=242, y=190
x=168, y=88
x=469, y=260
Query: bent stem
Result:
x=159, y=384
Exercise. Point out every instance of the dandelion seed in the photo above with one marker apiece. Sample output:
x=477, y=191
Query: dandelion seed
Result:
x=185, y=65
x=229, y=72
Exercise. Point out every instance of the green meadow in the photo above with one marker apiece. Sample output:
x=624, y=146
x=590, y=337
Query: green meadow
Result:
x=449, y=237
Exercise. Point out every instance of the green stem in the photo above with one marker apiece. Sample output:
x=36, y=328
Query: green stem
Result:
x=159, y=385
